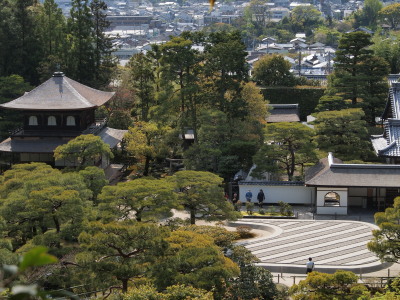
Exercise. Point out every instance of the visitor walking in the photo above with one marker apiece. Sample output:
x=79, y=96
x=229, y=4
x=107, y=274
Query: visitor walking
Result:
x=309, y=265
x=249, y=195
x=260, y=198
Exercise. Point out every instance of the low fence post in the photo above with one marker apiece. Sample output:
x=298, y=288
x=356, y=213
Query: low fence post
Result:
x=278, y=278
x=294, y=279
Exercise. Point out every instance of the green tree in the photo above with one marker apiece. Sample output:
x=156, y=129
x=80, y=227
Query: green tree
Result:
x=368, y=16
x=51, y=28
x=225, y=68
x=26, y=48
x=344, y=133
x=389, y=49
x=37, y=198
x=305, y=18
x=142, y=79
x=80, y=59
x=348, y=77
x=254, y=282
x=173, y=292
x=193, y=259
x=11, y=87
x=375, y=91
x=119, y=252
x=327, y=36
x=104, y=62
x=288, y=145
x=273, y=70
x=340, y=285
x=95, y=180
x=83, y=150
x=260, y=13
x=386, y=241
x=7, y=62
x=329, y=103
x=145, y=142
x=202, y=196
x=120, y=119
x=390, y=14
x=148, y=199
x=181, y=65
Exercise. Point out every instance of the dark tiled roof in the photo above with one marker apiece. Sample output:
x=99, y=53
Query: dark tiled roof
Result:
x=283, y=113
x=388, y=144
x=110, y=136
x=331, y=172
x=60, y=93
x=272, y=183
x=46, y=145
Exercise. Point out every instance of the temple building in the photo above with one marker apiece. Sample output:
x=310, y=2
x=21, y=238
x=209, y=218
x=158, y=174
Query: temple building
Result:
x=387, y=145
x=53, y=113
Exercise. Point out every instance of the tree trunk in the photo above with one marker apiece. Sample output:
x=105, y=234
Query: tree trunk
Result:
x=146, y=166
x=192, y=217
x=124, y=285
x=56, y=223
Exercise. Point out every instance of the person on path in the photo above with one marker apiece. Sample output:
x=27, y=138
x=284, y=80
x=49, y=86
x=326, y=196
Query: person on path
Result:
x=260, y=198
x=309, y=265
x=249, y=195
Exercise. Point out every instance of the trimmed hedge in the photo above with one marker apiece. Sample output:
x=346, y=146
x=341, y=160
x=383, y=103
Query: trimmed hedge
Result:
x=306, y=96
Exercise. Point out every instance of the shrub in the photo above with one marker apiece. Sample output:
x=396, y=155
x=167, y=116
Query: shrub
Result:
x=237, y=205
x=249, y=207
x=285, y=209
x=244, y=232
x=261, y=212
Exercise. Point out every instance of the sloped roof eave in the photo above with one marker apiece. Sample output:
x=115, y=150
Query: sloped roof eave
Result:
x=60, y=93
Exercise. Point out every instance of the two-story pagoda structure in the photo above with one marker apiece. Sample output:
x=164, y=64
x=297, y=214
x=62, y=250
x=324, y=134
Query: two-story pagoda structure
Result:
x=55, y=112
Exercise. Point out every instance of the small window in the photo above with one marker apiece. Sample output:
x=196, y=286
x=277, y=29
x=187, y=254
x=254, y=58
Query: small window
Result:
x=71, y=121
x=52, y=121
x=332, y=199
x=33, y=121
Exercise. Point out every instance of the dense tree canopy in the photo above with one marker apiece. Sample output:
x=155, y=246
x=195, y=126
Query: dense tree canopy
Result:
x=202, y=195
x=390, y=14
x=144, y=199
x=344, y=133
x=273, y=70
x=386, y=240
x=83, y=150
x=287, y=145
x=340, y=285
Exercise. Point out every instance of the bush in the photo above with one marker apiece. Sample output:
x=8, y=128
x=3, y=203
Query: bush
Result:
x=285, y=209
x=244, y=232
x=237, y=205
x=261, y=212
x=249, y=207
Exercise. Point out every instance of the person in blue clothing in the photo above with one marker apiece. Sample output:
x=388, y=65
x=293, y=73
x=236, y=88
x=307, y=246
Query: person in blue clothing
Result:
x=248, y=196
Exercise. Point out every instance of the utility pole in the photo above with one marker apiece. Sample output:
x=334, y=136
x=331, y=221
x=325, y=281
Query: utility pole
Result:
x=299, y=48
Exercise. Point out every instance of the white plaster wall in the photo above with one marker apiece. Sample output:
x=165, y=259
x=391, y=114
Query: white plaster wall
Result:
x=274, y=194
x=331, y=210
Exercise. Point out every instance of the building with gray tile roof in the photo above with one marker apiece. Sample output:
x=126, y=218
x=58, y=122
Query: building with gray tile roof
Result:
x=387, y=145
x=360, y=185
x=60, y=93
x=53, y=113
x=283, y=113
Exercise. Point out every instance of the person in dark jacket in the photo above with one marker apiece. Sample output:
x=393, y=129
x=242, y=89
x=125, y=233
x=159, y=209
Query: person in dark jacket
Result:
x=260, y=198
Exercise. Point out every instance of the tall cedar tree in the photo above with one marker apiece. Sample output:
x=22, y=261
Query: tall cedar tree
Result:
x=349, y=76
